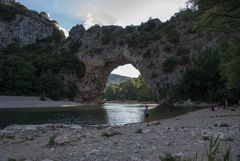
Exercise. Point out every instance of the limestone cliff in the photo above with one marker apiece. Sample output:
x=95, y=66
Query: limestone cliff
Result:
x=23, y=26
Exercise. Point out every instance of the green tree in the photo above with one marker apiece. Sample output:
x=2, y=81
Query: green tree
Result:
x=17, y=74
x=202, y=81
x=131, y=89
x=72, y=90
x=223, y=16
x=51, y=85
x=230, y=64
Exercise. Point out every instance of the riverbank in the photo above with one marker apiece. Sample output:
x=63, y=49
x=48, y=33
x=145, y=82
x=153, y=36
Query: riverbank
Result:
x=31, y=102
x=182, y=136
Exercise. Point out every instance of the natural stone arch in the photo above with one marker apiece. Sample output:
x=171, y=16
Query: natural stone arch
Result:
x=102, y=49
x=98, y=70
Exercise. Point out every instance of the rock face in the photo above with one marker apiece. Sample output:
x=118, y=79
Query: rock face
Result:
x=7, y=1
x=24, y=27
x=160, y=51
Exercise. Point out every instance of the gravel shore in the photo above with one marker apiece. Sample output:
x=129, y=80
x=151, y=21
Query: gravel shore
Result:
x=31, y=102
x=183, y=136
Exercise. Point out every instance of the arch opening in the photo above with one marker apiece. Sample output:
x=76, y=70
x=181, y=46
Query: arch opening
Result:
x=125, y=84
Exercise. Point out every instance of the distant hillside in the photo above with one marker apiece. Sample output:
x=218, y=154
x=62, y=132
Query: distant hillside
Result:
x=115, y=78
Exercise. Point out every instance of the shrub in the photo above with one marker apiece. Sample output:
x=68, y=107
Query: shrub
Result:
x=139, y=131
x=74, y=46
x=168, y=157
x=170, y=64
x=182, y=51
x=43, y=96
x=106, y=40
x=183, y=60
x=8, y=12
x=147, y=54
x=72, y=91
x=11, y=159
x=52, y=85
x=212, y=152
x=51, y=141
x=223, y=125
x=167, y=48
x=172, y=35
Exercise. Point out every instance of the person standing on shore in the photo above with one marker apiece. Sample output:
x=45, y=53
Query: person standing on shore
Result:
x=146, y=113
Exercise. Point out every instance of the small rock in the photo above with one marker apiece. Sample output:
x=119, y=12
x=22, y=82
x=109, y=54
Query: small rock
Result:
x=156, y=123
x=7, y=134
x=109, y=132
x=63, y=139
x=47, y=160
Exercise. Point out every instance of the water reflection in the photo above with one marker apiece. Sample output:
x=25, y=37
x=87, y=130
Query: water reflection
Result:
x=113, y=114
x=119, y=114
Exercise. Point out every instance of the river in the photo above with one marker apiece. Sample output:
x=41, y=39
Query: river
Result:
x=109, y=113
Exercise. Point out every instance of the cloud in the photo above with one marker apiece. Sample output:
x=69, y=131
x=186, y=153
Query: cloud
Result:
x=65, y=31
x=119, y=12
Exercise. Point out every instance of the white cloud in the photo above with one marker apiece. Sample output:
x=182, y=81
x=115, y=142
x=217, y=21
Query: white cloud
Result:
x=65, y=31
x=120, y=12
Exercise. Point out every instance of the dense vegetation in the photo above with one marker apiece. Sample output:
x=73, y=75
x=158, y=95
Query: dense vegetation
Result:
x=36, y=69
x=8, y=12
x=202, y=82
x=131, y=89
x=223, y=17
x=39, y=69
x=215, y=76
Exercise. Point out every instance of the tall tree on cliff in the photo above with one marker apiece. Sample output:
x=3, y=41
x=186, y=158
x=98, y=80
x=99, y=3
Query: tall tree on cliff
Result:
x=223, y=16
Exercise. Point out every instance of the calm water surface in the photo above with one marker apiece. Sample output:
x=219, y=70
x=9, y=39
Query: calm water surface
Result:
x=110, y=113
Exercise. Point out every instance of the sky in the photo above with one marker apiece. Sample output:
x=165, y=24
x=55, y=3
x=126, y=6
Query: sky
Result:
x=68, y=13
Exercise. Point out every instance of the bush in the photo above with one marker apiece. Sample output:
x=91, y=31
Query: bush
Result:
x=212, y=152
x=11, y=159
x=147, y=54
x=74, y=46
x=170, y=64
x=8, y=12
x=182, y=51
x=167, y=48
x=51, y=141
x=168, y=157
x=202, y=81
x=184, y=60
x=72, y=91
x=52, y=85
x=139, y=131
x=43, y=96
x=106, y=40
x=172, y=35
